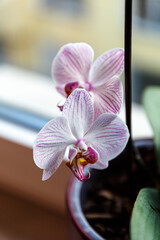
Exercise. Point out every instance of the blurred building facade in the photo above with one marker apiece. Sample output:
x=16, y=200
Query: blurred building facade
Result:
x=31, y=32
x=146, y=46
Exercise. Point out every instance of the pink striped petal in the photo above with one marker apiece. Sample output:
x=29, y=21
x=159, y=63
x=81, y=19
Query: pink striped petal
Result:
x=108, y=65
x=51, y=141
x=72, y=63
x=108, y=97
x=79, y=111
x=47, y=173
x=109, y=136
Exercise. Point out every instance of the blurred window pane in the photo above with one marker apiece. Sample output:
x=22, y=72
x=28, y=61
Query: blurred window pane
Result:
x=149, y=10
x=71, y=6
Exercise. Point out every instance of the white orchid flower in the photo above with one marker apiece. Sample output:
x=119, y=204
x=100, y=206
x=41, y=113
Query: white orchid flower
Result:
x=78, y=139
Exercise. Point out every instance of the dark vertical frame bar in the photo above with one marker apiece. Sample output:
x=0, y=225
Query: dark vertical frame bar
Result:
x=128, y=83
x=128, y=63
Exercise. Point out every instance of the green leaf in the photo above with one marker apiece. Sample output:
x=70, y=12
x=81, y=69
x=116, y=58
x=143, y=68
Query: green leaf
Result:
x=145, y=220
x=151, y=102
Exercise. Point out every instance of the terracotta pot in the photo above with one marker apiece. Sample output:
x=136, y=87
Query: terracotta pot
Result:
x=77, y=191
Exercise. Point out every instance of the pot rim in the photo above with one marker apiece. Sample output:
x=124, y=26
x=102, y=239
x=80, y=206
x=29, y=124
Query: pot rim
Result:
x=75, y=210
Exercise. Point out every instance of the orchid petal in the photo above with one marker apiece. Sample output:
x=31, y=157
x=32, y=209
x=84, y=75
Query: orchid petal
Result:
x=47, y=173
x=108, y=65
x=100, y=164
x=54, y=137
x=79, y=111
x=108, y=97
x=109, y=136
x=72, y=63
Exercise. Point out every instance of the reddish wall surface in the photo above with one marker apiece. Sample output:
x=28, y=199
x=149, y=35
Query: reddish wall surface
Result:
x=21, y=188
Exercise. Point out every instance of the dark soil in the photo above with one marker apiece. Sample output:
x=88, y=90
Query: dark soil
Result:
x=110, y=195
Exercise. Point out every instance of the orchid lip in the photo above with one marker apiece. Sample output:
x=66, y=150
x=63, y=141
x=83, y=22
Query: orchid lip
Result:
x=70, y=87
x=78, y=164
x=77, y=167
x=91, y=156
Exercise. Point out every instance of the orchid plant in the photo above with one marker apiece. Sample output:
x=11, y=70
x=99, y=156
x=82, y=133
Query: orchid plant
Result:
x=88, y=133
